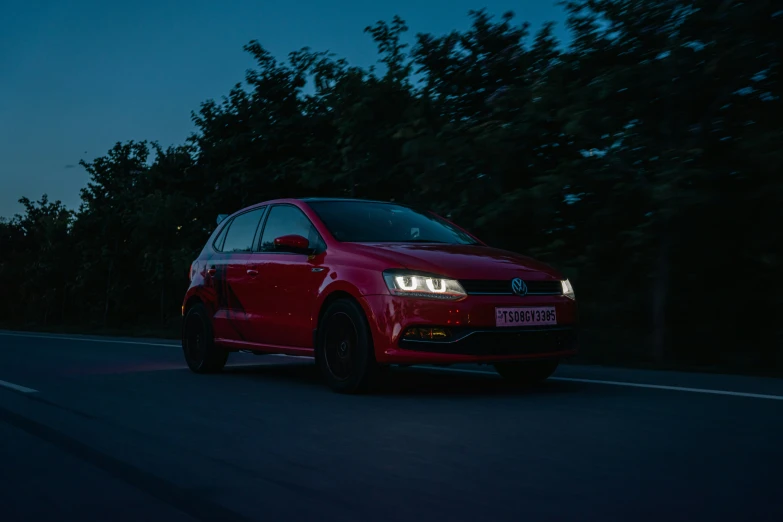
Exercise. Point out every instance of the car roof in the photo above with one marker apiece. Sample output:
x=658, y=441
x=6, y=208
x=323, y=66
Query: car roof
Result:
x=358, y=200
x=311, y=200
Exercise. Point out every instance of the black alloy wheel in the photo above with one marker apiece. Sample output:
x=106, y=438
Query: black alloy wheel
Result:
x=344, y=351
x=198, y=343
x=340, y=346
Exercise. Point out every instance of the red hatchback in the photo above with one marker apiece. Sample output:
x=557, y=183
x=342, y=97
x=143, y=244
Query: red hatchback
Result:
x=361, y=285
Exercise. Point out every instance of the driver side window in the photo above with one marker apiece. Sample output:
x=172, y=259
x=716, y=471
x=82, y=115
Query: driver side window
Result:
x=285, y=220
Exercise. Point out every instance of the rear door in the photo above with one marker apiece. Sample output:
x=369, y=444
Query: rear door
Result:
x=232, y=277
x=286, y=287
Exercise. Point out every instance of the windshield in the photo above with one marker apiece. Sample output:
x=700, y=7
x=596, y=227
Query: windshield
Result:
x=368, y=222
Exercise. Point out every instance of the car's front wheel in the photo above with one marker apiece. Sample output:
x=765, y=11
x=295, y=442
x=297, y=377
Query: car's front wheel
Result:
x=344, y=352
x=526, y=373
x=198, y=342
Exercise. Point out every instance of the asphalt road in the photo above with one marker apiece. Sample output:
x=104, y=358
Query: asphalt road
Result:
x=116, y=429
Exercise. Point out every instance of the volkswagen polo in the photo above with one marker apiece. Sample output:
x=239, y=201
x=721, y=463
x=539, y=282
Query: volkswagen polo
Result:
x=362, y=285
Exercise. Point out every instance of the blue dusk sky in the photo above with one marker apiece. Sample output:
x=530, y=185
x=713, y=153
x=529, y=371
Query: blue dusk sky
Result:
x=79, y=76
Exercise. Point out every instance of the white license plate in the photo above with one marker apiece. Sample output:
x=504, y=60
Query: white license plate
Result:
x=525, y=316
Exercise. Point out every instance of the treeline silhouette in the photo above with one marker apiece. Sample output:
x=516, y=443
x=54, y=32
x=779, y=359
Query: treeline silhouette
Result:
x=643, y=159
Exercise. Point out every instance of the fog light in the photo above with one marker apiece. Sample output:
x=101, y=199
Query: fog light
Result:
x=440, y=333
x=427, y=333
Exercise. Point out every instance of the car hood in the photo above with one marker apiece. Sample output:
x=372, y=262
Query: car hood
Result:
x=461, y=261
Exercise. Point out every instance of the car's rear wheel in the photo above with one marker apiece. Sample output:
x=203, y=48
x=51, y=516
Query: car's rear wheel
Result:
x=526, y=373
x=198, y=342
x=344, y=351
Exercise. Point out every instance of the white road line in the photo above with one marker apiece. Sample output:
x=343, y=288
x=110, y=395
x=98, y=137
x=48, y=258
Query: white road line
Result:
x=455, y=370
x=673, y=388
x=626, y=384
x=107, y=341
x=16, y=387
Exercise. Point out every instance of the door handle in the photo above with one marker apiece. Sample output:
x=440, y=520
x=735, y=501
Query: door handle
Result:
x=211, y=270
x=252, y=273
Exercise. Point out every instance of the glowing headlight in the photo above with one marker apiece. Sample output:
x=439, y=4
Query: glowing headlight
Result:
x=427, y=286
x=568, y=290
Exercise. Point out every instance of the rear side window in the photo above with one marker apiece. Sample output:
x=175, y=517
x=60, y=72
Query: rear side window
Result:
x=285, y=220
x=242, y=232
x=218, y=243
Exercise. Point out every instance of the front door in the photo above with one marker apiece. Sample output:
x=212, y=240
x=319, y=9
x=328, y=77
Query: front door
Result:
x=287, y=282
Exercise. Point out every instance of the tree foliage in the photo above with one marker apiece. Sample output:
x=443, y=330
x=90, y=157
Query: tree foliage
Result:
x=643, y=160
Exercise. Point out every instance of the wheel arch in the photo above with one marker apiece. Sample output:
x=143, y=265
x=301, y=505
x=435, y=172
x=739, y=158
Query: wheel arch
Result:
x=331, y=298
x=335, y=294
x=199, y=294
x=190, y=302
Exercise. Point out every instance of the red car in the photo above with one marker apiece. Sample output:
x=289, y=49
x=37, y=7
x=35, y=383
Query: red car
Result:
x=361, y=285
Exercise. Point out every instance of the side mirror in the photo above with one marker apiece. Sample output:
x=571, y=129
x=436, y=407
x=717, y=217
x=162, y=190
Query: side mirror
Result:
x=292, y=243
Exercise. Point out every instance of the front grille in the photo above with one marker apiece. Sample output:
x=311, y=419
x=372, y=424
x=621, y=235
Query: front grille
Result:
x=502, y=342
x=503, y=287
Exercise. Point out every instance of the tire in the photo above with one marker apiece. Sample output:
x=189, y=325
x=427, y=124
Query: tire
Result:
x=198, y=342
x=526, y=373
x=344, y=350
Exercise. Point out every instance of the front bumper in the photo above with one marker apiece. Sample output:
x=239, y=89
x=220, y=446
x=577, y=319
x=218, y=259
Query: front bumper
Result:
x=474, y=336
x=499, y=342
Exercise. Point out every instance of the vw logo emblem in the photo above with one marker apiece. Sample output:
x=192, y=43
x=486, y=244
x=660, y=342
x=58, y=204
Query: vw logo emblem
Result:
x=518, y=287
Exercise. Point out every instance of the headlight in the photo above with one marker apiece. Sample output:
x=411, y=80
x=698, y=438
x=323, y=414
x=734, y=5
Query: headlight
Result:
x=414, y=284
x=568, y=290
